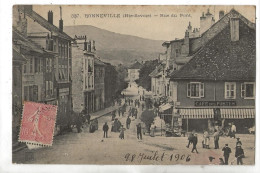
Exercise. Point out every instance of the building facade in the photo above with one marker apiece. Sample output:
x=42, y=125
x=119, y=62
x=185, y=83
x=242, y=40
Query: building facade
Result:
x=56, y=67
x=99, y=84
x=217, y=86
x=83, y=51
x=133, y=71
x=111, y=76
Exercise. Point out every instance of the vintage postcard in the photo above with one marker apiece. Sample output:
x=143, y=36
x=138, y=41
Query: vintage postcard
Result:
x=133, y=84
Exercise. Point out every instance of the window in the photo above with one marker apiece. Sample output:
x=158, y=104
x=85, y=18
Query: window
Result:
x=195, y=90
x=248, y=90
x=47, y=64
x=31, y=93
x=31, y=65
x=230, y=90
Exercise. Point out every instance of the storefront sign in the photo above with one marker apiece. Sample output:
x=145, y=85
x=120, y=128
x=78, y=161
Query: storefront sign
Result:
x=215, y=103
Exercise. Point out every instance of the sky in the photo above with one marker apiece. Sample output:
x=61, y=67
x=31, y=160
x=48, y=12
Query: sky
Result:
x=152, y=26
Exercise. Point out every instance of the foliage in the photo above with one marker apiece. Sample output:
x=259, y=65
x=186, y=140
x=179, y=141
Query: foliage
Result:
x=121, y=76
x=147, y=117
x=144, y=78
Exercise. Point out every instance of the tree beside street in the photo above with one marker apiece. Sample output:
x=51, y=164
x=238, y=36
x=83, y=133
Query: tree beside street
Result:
x=144, y=78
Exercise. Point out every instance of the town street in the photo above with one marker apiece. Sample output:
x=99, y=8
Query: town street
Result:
x=92, y=148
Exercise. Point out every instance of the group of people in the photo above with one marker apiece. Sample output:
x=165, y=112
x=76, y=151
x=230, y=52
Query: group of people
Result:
x=239, y=152
x=133, y=112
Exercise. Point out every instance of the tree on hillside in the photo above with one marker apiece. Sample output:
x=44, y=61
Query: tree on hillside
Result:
x=144, y=78
x=121, y=76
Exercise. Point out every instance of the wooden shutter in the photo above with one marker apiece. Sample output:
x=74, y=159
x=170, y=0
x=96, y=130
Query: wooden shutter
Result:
x=242, y=90
x=201, y=89
x=188, y=90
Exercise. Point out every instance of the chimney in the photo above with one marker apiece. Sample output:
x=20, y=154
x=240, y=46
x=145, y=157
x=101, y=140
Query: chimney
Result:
x=22, y=22
x=234, y=29
x=61, y=21
x=50, y=17
x=221, y=14
x=85, y=43
x=186, y=45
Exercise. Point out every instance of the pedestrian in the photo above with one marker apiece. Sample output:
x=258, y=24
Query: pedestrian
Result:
x=139, y=131
x=190, y=138
x=129, y=101
x=142, y=106
x=233, y=130
x=105, y=129
x=78, y=124
x=138, y=103
x=119, y=111
x=143, y=97
x=130, y=112
x=140, y=98
x=132, y=101
x=238, y=142
x=206, y=139
x=128, y=122
x=226, y=153
x=216, y=139
x=122, y=133
x=136, y=113
x=152, y=129
x=194, y=142
x=239, y=154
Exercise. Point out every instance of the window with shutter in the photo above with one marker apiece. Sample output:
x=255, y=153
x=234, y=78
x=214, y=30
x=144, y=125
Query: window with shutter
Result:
x=230, y=90
x=195, y=89
x=248, y=90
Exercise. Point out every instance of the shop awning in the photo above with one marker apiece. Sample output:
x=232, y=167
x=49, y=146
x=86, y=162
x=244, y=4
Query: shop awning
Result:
x=165, y=107
x=196, y=113
x=237, y=113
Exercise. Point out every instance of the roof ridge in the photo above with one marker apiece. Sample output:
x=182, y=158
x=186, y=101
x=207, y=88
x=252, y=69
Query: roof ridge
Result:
x=42, y=20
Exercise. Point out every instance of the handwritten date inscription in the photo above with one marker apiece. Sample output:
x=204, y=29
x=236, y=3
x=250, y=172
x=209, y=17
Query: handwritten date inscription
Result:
x=156, y=156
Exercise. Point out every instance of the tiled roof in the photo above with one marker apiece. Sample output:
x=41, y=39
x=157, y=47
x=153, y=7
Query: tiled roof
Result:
x=98, y=62
x=222, y=59
x=136, y=65
x=43, y=22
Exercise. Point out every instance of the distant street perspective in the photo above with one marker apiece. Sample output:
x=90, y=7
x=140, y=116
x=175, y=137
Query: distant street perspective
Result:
x=85, y=95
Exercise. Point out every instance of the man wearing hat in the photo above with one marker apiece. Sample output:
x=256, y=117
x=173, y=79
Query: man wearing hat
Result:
x=238, y=142
x=239, y=154
x=226, y=154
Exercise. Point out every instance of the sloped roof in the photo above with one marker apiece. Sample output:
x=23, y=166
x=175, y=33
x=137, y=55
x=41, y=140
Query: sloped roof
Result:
x=17, y=56
x=25, y=42
x=222, y=59
x=136, y=65
x=157, y=71
x=99, y=62
x=44, y=23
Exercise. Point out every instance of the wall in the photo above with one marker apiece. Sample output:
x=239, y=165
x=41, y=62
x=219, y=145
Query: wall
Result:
x=209, y=94
x=77, y=82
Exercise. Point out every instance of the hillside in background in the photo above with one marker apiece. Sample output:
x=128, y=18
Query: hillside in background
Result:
x=118, y=48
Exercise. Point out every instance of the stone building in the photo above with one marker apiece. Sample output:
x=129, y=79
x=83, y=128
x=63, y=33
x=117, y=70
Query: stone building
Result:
x=51, y=39
x=83, y=51
x=99, y=84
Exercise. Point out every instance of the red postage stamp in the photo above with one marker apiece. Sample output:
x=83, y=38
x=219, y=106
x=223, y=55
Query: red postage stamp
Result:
x=38, y=122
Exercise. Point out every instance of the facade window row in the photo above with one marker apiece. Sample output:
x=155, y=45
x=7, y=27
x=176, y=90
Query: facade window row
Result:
x=196, y=90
